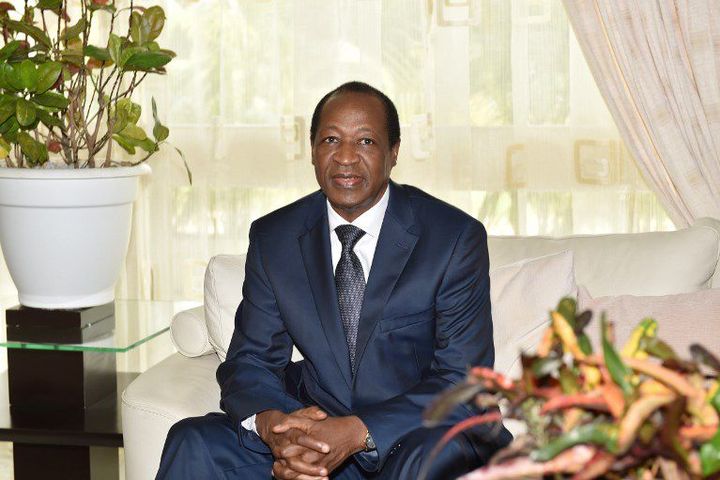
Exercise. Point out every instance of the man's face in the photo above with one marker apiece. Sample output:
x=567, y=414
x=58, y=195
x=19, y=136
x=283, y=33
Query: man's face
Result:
x=351, y=153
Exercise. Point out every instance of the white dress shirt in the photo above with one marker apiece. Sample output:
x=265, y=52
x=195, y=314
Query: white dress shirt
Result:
x=370, y=222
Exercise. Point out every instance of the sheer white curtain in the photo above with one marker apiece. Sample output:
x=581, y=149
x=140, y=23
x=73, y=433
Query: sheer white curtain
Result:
x=500, y=116
x=658, y=66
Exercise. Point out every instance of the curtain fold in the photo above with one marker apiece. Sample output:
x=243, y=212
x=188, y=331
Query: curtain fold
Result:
x=657, y=64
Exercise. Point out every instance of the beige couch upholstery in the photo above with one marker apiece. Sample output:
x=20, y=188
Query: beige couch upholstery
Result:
x=184, y=384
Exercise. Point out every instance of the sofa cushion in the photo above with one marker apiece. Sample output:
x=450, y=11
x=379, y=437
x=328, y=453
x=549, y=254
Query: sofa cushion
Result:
x=683, y=319
x=224, y=278
x=657, y=263
x=522, y=295
x=189, y=332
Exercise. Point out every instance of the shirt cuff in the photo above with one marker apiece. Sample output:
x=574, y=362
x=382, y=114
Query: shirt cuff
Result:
x=249, y=424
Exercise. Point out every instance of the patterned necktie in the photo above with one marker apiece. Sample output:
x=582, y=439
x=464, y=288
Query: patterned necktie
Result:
x=350, y=285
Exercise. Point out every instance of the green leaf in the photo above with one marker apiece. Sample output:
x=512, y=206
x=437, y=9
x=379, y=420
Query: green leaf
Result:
x=4, y=148
x=153, y=46
x=9, y=127
x=11, y=76
x=72, y=55
x=34, y=151
x=160, y=132
x=619, y=372
x=25, y=112
x=132, y=109
x=28, y=75
x=148, y=145
x=147, y=60
x=102, y=54
x=47, y=73
x=49, y=4
x=133, y=132
x=9, y=49
x=114, y=47
x=136, y=28
x=152, y=23
x=7, y=110
x=127, y=54
x=51, y=99
x=74, y=31
x=49, y=120
x=120, y=120
x=657, y=348
x=154, y=109
x=34, y=32
x=187, y=167
x=602, y=434
x=125, y=144
x=567, y=308
x=710, y=450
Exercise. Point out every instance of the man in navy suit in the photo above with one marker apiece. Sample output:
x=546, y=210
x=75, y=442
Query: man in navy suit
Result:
x=383, y=289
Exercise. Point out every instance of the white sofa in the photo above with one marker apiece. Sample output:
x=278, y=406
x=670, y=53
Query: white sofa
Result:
x=647, y=264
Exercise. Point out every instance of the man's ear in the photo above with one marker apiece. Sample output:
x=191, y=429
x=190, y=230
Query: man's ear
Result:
x=395, y=150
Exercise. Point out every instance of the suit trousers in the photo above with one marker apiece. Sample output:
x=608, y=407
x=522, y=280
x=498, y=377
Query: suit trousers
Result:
x=208, y=447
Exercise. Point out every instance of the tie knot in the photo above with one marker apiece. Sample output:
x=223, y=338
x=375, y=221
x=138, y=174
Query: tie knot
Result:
x=348, y=236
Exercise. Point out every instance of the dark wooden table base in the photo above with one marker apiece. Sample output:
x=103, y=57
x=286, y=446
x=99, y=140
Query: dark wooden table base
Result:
x=63, y=415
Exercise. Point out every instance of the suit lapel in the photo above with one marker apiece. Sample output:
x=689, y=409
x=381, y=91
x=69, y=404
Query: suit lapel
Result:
x=394, y=247
x=315, y=247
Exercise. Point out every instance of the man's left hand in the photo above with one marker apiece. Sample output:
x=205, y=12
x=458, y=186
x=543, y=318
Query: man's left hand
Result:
x=344, y=435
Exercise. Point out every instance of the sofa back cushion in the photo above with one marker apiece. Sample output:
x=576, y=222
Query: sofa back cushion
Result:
x=659, y=263
x=224, y=278
x=656, y=263
x=521, y=294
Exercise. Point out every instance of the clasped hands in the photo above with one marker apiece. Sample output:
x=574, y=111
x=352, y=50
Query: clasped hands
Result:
x=308, y=444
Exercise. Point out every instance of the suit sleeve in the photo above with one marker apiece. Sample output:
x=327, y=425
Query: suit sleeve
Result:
x=252, y=376
x=463, y=338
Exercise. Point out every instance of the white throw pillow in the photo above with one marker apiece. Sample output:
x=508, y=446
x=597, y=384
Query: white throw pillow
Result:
x=522, y=295
x=224, y=278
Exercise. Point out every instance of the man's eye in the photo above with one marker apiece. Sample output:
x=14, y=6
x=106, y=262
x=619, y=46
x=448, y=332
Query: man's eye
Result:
x=330, y=140
x=366, y=141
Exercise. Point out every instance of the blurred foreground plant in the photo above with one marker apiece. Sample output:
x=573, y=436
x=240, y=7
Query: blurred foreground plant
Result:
x=642, y=412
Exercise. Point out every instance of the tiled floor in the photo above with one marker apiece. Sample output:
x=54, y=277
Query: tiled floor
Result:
x=6, y=467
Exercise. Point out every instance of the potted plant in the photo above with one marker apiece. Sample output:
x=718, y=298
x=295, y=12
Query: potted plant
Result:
x=66, y=109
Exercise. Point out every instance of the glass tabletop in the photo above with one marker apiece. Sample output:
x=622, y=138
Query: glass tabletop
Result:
x=136, y=322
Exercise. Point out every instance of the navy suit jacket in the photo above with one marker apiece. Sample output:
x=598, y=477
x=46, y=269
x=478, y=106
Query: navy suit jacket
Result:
x=425, y=318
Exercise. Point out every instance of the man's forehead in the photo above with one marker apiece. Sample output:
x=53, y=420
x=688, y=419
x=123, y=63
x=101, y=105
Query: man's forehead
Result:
x=357, y=104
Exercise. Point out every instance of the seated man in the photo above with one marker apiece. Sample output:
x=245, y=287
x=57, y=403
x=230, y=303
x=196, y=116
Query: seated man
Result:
x=383, y=289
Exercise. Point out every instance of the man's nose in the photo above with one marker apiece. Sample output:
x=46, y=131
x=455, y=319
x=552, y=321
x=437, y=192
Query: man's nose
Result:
x=346, y=154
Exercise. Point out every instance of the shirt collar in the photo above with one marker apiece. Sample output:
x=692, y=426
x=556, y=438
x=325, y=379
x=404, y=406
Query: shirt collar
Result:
x=370, y=222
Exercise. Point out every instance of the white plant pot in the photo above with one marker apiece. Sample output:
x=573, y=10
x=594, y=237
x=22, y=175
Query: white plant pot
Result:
x=65, y=232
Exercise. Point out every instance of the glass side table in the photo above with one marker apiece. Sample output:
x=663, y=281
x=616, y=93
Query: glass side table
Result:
x=60, y=397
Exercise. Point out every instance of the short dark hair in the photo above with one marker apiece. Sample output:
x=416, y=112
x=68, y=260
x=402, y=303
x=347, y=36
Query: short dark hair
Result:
x=391, y=116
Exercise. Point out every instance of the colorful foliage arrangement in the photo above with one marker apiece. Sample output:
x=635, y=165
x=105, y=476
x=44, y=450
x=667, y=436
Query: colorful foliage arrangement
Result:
x=641, y=412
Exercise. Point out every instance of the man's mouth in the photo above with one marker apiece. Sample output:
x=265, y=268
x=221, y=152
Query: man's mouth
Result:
x=347, y=180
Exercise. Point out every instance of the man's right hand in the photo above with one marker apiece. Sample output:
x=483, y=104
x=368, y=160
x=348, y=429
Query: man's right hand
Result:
x=294, y=450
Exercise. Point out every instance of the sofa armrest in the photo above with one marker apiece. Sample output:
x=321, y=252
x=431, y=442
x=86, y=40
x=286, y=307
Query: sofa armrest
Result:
x=176, y=388
x=189, y=332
